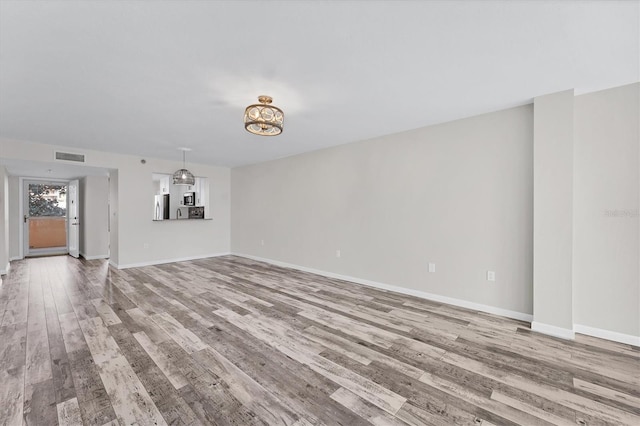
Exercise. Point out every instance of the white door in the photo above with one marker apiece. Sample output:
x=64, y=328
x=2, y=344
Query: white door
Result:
x=73, y=219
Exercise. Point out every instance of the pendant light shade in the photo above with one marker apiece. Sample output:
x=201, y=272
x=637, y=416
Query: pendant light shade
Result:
x=183, y=176
x=263, y=119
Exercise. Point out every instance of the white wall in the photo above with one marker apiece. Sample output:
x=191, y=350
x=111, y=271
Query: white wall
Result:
x=606, y=203
x=4, y=221
x=164, y=241
x=82, y=206
x=94, y=217
x=457, y=194
x=15, y=220
x=553, y=213
x=114, y=253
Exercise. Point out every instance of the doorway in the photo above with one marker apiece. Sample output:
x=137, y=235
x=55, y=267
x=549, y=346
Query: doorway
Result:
x=50, y=217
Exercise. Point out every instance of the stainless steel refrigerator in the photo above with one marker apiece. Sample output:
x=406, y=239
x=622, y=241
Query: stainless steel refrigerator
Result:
x=161, y=207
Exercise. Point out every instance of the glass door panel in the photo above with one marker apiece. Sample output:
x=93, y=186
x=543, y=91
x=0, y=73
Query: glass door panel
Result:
x=46, y=217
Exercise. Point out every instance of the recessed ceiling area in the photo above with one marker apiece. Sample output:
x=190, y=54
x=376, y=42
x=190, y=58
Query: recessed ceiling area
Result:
x=144, y=78
x=50, y=170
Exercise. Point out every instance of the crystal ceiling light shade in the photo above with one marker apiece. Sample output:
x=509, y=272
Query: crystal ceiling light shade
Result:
x=263, y=119
x=183, y=176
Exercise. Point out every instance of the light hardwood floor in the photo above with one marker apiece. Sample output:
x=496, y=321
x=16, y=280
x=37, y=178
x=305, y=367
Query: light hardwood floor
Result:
x=231, y=341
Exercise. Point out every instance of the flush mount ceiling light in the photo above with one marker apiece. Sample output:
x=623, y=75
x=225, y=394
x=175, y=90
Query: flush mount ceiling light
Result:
x=263, y=119
x=183, y=176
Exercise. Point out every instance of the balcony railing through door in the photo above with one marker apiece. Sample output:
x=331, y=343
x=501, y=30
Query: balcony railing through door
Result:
x=47, y=232
x=47, y=217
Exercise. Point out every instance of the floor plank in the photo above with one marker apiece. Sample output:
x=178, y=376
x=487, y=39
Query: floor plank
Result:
x=69, y=413
x=12, y=369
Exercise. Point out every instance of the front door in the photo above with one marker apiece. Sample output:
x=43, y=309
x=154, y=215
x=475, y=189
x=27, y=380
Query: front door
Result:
x=45, y=218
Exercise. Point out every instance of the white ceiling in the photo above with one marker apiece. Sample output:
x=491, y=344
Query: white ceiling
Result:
x=147, y=77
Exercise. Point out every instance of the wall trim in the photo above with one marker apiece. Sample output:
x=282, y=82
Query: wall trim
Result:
x=11, y=259
x=5, y=271
x=100, y=256
x=552, y=330
x=402, y=290
x=160, y=262
x=628, y=339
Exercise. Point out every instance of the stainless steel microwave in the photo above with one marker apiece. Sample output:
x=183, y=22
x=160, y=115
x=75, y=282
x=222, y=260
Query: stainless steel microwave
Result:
x=189, y=198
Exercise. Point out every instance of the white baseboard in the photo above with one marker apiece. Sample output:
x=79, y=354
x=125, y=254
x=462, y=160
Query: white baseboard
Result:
x=11, y=259
x=160, y=262
x=402, y=290
x=552, y=330
x=606, y=334
x=100, y=256
x=5, y=271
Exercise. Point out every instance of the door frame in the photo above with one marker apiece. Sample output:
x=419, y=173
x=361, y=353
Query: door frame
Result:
x=24, y=248
x=73, y=250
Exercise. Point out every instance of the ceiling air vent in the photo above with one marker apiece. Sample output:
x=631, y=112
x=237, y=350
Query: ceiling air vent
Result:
x=68, y=156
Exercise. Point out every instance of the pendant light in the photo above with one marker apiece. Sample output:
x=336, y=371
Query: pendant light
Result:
x=263, y=119
x=183, y=176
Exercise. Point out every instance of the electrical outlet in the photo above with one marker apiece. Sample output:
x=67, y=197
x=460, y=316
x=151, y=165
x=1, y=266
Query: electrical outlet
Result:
x=337, y=253
x=261, y=242
x=491, y=276
x=146, y=245
x=432, y=267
